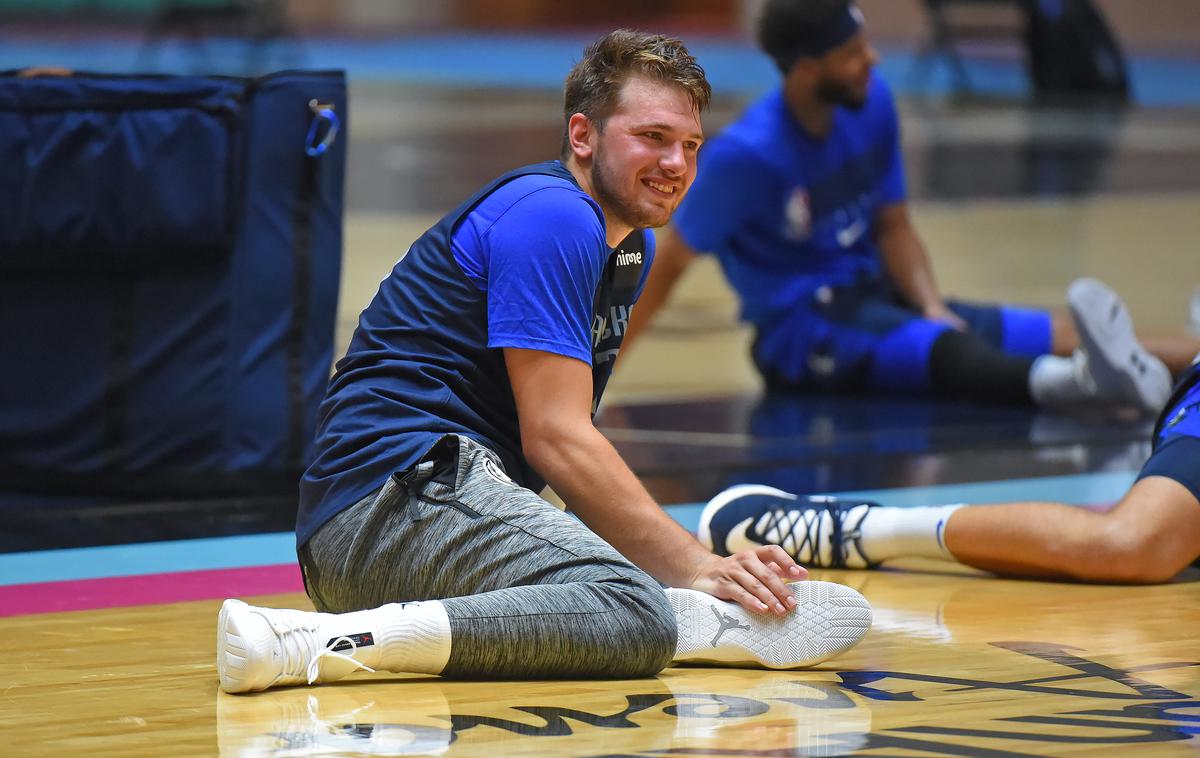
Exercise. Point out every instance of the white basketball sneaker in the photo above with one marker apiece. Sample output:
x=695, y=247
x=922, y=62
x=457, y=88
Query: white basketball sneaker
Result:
x=1119, y=365
x=259, y=648
x=828, y=620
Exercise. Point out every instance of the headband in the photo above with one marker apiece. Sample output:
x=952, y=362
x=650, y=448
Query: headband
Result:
x=817, y=42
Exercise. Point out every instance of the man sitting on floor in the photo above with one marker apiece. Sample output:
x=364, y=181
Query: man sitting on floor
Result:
x=803, y=202
x=470, y=383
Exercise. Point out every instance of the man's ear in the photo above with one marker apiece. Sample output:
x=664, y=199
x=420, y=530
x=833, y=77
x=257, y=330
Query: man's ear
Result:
x=581, y=132
x=805, y=70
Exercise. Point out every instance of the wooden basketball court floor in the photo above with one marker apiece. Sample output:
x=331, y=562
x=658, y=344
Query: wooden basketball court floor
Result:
x=109, y=614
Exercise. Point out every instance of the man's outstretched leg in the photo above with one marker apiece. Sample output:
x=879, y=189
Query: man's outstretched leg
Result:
x=259, y=648
x=1151, y=535
x=529, y=592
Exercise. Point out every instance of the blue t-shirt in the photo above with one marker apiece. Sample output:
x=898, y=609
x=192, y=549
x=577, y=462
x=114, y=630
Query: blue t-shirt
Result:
x=524, y=263
x=1181, y=416
x=785, y=212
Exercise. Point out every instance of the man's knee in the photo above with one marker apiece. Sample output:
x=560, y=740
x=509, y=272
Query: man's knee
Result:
x=964, y=365
x=653, y=626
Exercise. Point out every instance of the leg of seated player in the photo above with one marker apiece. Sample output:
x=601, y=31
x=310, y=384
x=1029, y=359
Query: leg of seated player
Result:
x=1148, y=537
x=1152, y=533
x=521, y=589
x=1175, y=350
x=1110, y=368
x=860, y=336
x=466, y=574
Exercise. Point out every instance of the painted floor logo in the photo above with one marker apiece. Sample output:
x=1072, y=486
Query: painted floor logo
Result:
x=718, y=712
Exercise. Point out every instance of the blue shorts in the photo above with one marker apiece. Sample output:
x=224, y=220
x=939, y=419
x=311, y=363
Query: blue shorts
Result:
x=864, y=337
x=1177, y=436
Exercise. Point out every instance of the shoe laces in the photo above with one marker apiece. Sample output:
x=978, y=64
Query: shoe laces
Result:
x=298, y=640
x=801, y=531
x=796, y=530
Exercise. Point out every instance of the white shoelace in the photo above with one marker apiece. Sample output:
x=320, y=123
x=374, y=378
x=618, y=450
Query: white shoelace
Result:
x=314, y=664
x=779, y=527
x=299, y=639
x=808, y=534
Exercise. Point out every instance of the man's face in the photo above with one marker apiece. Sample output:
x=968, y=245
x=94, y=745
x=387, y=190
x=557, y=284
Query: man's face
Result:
x=845, y=73
x=644, y=159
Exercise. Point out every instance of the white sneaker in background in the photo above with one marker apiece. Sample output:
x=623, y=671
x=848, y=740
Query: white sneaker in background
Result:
x=1119, y=365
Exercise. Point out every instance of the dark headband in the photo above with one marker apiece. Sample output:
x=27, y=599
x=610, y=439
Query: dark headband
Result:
x=832, y=34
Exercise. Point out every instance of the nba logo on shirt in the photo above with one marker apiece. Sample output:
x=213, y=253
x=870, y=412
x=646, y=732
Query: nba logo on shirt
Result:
x=797, y=216
x=1179, y=416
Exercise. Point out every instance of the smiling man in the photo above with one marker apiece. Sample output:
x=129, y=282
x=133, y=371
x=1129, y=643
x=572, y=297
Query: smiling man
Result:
x=802, y=200
x=470, y=383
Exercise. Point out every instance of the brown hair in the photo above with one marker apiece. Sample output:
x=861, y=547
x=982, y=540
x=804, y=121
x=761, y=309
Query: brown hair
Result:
x=595, y=82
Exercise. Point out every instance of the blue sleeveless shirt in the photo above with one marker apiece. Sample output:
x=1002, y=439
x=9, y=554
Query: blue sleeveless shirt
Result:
x=523, y=263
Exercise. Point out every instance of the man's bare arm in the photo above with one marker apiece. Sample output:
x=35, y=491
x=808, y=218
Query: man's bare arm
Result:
x=559, y=440
x=908, y=265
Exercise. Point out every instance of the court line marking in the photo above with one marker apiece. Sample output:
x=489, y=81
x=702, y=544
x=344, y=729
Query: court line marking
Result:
x=280, y=548
x=148, y=558
x=152, y=589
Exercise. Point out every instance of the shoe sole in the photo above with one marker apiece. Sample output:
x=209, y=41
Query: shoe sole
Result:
x=704, y=531
x=223, y=647
x=828, y=620
x=1107, y=334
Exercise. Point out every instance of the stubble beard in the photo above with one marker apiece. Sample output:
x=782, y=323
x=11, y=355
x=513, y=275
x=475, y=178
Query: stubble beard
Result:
x=836, y=93
x=625, y=210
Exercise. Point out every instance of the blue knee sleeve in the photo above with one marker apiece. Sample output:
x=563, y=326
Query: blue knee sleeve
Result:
x=900, y=360
x=1025, y=331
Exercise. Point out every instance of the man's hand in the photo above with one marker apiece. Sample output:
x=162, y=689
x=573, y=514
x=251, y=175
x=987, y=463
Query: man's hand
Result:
x=754, y=579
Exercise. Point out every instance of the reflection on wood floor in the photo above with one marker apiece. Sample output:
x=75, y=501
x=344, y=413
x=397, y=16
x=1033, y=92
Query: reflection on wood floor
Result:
x=954, y=665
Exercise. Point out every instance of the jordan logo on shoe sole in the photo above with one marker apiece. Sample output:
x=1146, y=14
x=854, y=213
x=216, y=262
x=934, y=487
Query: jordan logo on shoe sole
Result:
x=727, y=622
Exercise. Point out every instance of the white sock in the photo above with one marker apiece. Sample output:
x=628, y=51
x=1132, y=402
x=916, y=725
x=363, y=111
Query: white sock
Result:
x=906, y=532
x=410, y=638
x=1056, y=381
